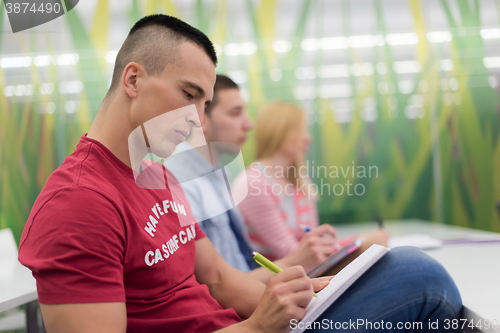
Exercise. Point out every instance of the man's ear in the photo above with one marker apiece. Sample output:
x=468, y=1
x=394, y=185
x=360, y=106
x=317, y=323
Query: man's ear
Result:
x=129, y=80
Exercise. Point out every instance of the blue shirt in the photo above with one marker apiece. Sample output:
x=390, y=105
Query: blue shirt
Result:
x=207, y=192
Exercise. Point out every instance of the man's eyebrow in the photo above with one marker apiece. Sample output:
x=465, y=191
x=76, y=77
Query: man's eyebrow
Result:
x=199, y=89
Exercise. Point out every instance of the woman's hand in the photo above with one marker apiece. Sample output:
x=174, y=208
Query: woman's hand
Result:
x=314, y=247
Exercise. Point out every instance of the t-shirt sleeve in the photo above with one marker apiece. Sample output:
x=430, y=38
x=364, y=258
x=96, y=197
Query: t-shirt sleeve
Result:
x=75, y=249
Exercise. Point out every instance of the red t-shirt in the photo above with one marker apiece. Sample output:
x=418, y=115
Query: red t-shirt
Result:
x=93, y=235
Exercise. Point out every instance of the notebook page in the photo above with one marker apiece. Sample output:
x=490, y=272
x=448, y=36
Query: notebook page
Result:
x=339, y=284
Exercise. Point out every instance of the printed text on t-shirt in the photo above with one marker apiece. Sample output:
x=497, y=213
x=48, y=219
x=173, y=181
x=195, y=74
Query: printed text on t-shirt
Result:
x=158, y=213
x=171, y=246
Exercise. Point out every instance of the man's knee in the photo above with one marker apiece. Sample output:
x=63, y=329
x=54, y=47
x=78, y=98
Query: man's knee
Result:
x=421, y=273
x=416, y=265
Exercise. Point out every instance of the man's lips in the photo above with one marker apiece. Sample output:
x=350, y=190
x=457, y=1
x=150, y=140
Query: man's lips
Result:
x=183, y=133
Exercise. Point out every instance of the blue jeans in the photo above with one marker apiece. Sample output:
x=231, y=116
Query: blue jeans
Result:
x=405, y=291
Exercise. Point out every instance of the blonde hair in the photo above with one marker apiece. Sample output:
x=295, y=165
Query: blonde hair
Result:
x=274, y=122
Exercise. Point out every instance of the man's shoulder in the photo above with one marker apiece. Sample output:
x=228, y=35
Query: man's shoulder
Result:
x=78, y=183
x=86, y=170
x=69, y=208
x=70, y=199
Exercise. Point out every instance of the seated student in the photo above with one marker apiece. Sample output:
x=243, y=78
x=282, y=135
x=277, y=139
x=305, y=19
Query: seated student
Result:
x=279, y=203
x=110, y=256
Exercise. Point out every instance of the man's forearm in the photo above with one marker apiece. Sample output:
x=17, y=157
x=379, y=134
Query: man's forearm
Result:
x=230, y=287
x=244, y=327
x=237, y=290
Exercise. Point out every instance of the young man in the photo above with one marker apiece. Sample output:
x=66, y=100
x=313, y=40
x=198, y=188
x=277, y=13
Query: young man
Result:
x=110, y=256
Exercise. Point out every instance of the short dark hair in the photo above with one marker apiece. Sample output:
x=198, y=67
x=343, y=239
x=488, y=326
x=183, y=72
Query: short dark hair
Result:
x=153, y=41
x=222, y=82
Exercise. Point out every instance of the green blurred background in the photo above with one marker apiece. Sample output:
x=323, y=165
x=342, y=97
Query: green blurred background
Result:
x=410, y=88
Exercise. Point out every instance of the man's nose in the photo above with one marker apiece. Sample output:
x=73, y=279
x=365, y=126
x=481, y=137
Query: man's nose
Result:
x=193, y=119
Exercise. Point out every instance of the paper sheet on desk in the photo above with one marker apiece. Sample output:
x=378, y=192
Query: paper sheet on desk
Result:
x=7, y=267
x=421, y=241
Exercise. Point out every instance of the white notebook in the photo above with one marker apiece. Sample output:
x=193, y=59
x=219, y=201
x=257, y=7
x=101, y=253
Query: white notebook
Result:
x=339, y=284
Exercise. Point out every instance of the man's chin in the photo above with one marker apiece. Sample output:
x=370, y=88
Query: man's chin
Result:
x=226, y=148
x=165, y=152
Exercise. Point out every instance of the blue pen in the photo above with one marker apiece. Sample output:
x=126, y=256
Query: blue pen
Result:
x=304, y=227
x=307, y=229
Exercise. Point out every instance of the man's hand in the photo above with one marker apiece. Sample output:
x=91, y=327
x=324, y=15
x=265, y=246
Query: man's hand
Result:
x=320, y=283
x=285, y=298
x=314, y=247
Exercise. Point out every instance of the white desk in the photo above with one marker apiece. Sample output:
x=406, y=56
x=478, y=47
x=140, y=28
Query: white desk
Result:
x=18, y=287
x=474, y=267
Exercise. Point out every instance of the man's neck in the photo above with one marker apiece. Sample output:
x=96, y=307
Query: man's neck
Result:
x=111, y=127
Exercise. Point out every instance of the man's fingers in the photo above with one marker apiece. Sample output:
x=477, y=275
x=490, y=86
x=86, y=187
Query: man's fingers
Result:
x=320, y=283
x=291, y=273
x=295, y=286
x=302, y=298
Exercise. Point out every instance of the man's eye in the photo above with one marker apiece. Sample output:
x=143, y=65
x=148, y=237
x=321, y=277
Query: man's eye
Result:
x=188, y=95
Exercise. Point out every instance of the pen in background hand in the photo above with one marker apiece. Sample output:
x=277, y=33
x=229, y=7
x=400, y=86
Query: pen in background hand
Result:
x=380, y=223
x=307, y=229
